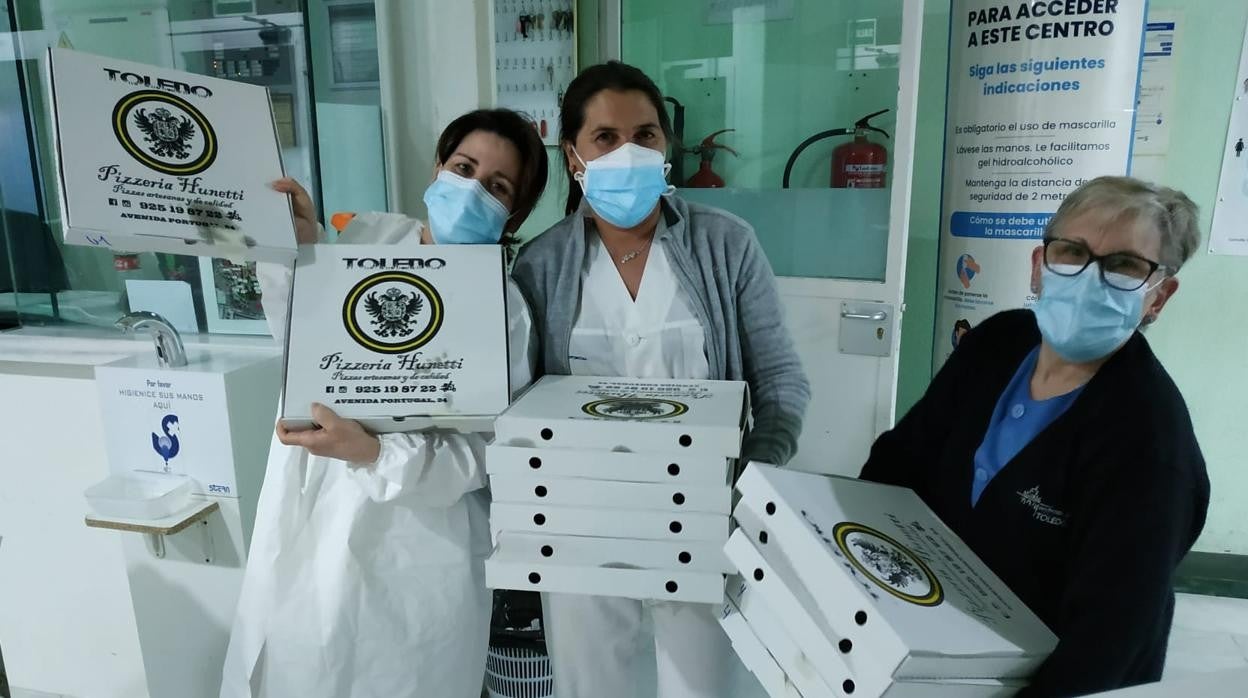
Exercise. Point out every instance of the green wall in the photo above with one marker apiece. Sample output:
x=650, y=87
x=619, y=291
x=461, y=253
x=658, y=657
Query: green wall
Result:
x=1202, y=336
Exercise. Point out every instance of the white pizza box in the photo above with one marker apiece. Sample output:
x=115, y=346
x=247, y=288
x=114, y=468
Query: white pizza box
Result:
x=789, y=657
x=609, y=523
x=699, y=418
x=885, y=572
x=157, y=160
x=567, y=491
x=592, y=566
x=834, y=658
x=763, y=666
x=399, y=337
x=695, y=556
x=792, y=660
x=753, y=655
x=970, y=688
x=620, y=466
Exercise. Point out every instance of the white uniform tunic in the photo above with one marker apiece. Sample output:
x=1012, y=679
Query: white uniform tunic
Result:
x=655, y=336
x=367, y=580
x=603, y=646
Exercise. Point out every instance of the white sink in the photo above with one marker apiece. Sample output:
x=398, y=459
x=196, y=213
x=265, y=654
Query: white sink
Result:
x=139, y=495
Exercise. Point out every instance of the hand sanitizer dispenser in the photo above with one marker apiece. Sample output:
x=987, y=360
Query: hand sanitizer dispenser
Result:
x=198, y=417
x=187, y=434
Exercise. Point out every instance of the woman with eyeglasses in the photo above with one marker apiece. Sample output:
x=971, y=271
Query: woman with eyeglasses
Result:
x=1056, y=445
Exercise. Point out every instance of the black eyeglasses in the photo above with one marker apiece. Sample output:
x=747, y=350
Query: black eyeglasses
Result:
x=1121, y=270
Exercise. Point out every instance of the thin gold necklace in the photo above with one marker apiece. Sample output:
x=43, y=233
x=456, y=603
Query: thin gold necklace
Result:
x=636, y=253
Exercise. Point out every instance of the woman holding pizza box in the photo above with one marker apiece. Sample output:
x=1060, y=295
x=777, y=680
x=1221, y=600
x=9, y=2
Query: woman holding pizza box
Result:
x=636, y=282
x=365, y=575
x=1057, y=446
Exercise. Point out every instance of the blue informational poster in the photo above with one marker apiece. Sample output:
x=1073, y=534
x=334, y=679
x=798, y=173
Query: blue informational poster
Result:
x=1041, y=98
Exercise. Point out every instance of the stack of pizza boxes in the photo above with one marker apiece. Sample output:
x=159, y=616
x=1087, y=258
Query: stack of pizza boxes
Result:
x=852, y=588
x=616, y=487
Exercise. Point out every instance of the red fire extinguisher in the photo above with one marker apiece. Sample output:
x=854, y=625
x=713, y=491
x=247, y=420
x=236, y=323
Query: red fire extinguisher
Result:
x=705, y=177
x=858, y=164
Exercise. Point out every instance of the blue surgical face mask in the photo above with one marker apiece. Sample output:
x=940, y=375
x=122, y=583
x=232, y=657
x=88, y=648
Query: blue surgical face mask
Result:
x=1082, y=318
x=462, y=212
x=624, y=185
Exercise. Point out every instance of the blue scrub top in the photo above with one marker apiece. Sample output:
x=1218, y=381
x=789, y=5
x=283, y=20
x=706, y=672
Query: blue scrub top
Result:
x=1016, y=420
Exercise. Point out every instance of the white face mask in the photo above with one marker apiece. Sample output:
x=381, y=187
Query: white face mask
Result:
x=1081, y=317
x=624, y=185
x=627, y=155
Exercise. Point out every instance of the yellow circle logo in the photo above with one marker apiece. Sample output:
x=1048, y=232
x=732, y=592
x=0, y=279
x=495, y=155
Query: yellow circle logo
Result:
x=392, y=312
x=164, y=132
x=889, y=564
x=635, y=408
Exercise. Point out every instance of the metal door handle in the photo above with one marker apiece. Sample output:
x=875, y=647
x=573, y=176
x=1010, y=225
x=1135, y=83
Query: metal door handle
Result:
x=877, y=316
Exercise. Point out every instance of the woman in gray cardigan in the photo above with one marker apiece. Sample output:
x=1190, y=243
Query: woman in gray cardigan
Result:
x=637, y=282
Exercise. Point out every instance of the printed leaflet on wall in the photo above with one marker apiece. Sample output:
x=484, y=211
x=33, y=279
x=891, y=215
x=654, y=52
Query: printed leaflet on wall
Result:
x=1229, y=234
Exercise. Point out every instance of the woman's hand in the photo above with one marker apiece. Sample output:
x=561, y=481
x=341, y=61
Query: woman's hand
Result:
x=339, y=438
x=304, y=210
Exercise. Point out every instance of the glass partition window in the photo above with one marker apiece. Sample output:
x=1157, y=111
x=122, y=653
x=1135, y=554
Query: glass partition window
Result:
x=778, y=72
x=261, y=42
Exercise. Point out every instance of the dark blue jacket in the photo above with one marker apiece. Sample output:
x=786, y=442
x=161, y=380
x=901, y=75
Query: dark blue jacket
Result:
x=1088, y=522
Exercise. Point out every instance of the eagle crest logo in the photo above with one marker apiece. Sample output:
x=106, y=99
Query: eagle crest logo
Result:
x=167, y=135
x=393, y=312
x=873, y=557
x=635, y=408
x=164, y=132
x=889, y=564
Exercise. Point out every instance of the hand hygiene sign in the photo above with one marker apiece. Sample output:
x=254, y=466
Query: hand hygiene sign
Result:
x=1041, y=98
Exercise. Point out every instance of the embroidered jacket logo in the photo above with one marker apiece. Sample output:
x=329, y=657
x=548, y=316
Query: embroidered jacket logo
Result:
x=1039, y=510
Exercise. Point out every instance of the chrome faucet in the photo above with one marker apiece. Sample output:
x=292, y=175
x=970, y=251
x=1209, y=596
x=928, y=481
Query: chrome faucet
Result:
x=169, y=350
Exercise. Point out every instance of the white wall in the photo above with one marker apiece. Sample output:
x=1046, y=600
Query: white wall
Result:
x=435, y=65
x=67, y=624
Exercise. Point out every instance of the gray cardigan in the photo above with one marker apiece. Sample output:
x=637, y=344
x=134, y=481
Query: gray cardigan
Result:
x=720, y=264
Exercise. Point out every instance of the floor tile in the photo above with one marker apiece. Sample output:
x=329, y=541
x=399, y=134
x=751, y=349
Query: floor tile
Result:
x=1211, y=613
x=1198, y=651
x=28, y=693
